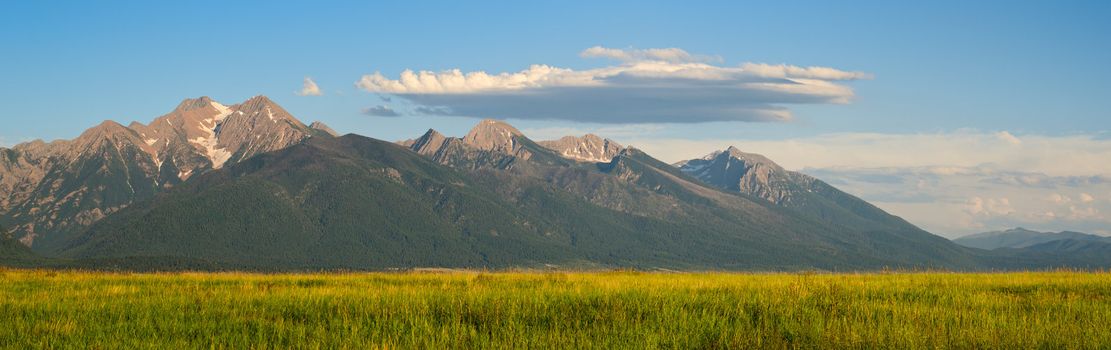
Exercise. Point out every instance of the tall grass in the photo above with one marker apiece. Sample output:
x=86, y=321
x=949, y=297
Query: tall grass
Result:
x=46, y=309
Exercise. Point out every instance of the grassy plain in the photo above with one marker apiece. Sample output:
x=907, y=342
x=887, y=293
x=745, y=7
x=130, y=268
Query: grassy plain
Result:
x=60, y=309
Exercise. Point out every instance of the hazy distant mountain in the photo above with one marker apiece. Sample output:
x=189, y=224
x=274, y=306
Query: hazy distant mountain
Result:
x=1023, y=238
x=1026, y=249
x=51, y=190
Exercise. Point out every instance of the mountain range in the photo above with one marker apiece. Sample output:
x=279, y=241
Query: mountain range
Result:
x=1019, y=238
x=1024, y=248
x=248, y=186
x=49, y=191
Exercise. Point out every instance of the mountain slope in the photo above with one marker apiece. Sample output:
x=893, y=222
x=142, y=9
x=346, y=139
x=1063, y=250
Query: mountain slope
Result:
x=354, y=202
x=1022, y=238
x=635, y=183
x=360, y=203
x=49, y=191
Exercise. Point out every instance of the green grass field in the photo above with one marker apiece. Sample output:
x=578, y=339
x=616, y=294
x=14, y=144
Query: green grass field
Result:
x=48, y=309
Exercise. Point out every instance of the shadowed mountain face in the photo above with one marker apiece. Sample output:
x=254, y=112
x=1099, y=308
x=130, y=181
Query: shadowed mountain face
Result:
x=51, y=190
x=15, y=253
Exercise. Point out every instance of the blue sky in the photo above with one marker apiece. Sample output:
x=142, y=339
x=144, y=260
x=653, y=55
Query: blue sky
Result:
x=1036, y=70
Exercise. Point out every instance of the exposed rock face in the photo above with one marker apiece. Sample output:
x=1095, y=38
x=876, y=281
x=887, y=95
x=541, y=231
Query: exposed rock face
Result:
x=755, y=175
x=742, y=172
x=320, y=126
x=497, y=136
x=49, y=189
x=588, y=148
x=428, y=144
x=490, y=144
x=201, y=133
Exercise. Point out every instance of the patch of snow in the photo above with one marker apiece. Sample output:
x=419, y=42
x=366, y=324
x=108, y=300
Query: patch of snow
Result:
x=218, y=156
x=577, y=154
x=711, y=156
x=184, y=174
x=223, y=110
x=150, y=142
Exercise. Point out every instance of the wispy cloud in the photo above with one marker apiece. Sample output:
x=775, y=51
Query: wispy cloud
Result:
x=309, y=88
x=380, y=111
x=673, y=55
x=967, y=202
x=648, y=86
x=1072, y=155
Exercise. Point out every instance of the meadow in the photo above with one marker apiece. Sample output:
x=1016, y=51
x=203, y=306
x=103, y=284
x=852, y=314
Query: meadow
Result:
x=71, y=309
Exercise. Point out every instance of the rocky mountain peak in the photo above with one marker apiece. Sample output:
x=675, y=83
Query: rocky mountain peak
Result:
x=734, y=170
x=630, y=152
x=493, y=135
x=193, y=103
x=256, y=102
x=749, y=158
x=320, y=126
x=106, y=130
x=589, y=148
x=429, y=143
x=51, y=189
x=105, y=127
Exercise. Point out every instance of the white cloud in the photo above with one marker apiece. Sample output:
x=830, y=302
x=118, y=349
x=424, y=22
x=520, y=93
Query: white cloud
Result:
x=309, y=88
x=1008, y=137
x=1086, y=198
x=1083, y=213
x=788, y=71
x=649, y=86
x=969, y=202
x=1058, y=198
x=989, y=206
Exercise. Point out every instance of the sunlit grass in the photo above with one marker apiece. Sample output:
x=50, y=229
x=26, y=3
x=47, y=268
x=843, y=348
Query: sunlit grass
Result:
x=554, y=310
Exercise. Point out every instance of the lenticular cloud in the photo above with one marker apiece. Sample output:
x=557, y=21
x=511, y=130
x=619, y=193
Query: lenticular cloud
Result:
x=647, y=86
